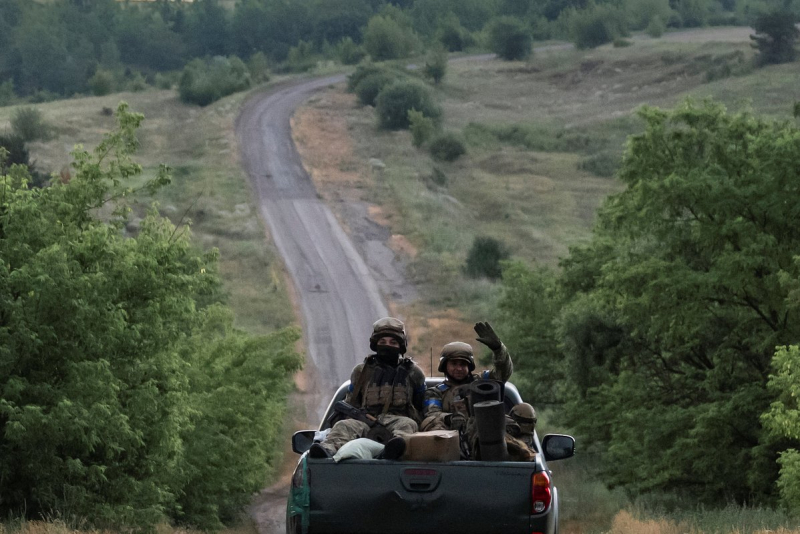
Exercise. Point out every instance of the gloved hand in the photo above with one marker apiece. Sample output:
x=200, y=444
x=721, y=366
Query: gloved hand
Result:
x=487, y=336
x=458, y=421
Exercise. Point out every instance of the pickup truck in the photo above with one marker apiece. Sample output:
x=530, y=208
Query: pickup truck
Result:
x=403, y=497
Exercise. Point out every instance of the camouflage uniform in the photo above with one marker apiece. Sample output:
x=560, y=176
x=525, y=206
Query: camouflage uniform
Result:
x=439, y=399
x=392, y=391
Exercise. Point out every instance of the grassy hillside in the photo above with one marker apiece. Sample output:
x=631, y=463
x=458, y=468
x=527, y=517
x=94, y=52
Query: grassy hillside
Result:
x=209, y=189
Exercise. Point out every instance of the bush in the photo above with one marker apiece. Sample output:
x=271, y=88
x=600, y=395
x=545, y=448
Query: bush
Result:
x=451, y=35
x=301, y=57
x=656, y=27
x=6, y=93
x=28, y=123
x=447, y=147
x=436, y=65
x=362, y=71
x=509, y=38
x=484, y=258
x=395, y=101
x=619, y=42
x=596, y=25
x=102, y=83
x=603, y=164
x=203, y=82
x=348, y=52
x=368, y=88
x=422, y=127
x=258, y=67
x=385, y=38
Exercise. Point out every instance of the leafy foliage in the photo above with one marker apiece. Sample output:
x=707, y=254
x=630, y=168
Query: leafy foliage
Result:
x=783, y=420
x=484, y=257
x=28, y=123
x=436, y=65
x=447, y=146
x=776, y=36
x=596, y=25
x=111, y=373
x=395, y=101
x=510, y=38
x=385, y=38
x=422, y=127
x=369, y=87
x=204, y=82
x=669, y=317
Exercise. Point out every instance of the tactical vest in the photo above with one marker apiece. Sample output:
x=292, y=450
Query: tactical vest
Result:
x=383, y=389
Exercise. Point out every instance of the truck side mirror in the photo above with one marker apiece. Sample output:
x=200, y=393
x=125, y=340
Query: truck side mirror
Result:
x=302, y=440
x=558, y=447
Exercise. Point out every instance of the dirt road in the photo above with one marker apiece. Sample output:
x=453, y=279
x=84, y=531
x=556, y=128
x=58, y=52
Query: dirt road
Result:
x=338, y=295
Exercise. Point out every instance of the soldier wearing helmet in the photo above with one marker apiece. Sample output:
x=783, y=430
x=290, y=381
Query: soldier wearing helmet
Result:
x=457, y=362
x=388, y=385
x=520, y=424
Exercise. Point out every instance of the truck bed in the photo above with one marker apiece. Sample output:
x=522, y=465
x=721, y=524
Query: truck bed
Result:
x=424, y=494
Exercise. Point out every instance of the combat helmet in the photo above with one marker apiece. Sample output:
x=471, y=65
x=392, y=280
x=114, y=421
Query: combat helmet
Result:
x=389, y=326
x=456, y=350
x=525, y=416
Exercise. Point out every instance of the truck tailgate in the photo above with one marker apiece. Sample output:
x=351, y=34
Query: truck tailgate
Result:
x=403, y=497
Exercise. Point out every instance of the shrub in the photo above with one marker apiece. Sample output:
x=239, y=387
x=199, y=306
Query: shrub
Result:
x=484, y=258
x=447, y=147
x=165, y=80
x=301, y=57
x=258, y=67
x=436, y=65
x=509, y=38
x=422, y=127
x=28, y=123
x=603, y=164
x=203, y=82
x=656, y=27
x=6, y=93
x=368, y=88
x=102, y=83
x=451, y=35
x=619, y=42
x=362, y=71
x=596, y=25
x=385, y=38
x=348, y=52
x=137, y=82
x=642, y=12
x=395, y=101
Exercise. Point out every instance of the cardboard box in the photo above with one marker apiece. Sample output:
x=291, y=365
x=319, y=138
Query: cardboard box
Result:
x=433, y=446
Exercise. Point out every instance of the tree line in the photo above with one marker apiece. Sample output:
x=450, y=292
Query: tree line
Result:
x=669, y=341
x=71, y=47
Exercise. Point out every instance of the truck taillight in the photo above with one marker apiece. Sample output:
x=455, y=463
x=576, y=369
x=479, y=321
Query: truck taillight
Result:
x=541, y=495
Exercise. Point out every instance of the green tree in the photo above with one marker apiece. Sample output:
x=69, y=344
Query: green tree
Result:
x=385, y=38
x=121, y=396
x=597, y=24
x=783, y=420
x=776, y=36
x=395, y=101
x=510, y=38
x=422, y=127
x=484, y=258
x=675, y=307
x=436, y=64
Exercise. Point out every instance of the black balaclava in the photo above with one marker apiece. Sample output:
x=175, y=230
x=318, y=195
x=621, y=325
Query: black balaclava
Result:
x=387, y=354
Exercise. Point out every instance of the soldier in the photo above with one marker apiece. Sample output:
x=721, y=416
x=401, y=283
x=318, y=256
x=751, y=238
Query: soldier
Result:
x=520, y=424
x=388, y=385
x=443, y=410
